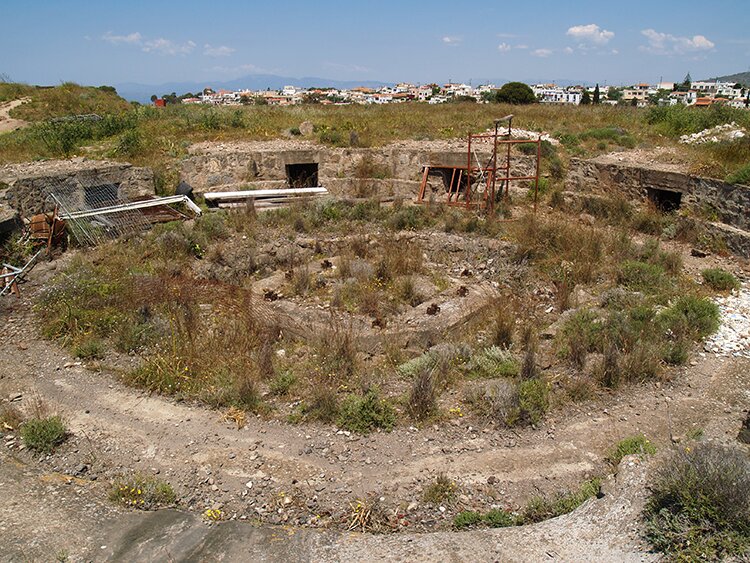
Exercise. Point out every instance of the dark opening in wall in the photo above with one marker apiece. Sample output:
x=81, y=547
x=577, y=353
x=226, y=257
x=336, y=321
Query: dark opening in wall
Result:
x=302, y=175
x=453, y=180
x=664, y=200
x=98, y=196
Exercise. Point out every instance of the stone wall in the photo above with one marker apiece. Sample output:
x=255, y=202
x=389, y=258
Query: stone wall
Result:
x=23, y=187
x=729, y=203
x=393, y=170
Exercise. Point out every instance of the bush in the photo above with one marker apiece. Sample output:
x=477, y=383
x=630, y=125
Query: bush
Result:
x=690, y=317
x=498, y=518
x=282, y=383
x=699, y=508
x=423, y=393
x=466, y=519
x=441, y=490
x=493, y=362
x=633, y=445
x=720, y=279
x=365, y=413
x=142, y=492
x=740, y=176
x=43, y=434
x=641, y=276
x=496, y=400
x=89, y=349
x=533, y=399
x=541, y=508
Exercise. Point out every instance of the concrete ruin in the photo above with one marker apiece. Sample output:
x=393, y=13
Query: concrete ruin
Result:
x=23, y=187
x=670, y=190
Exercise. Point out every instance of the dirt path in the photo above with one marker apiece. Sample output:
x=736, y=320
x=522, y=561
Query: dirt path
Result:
x=307, y=475
x=7, y=123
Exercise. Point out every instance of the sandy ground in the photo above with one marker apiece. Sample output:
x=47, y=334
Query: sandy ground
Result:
x=7, y=123
x=56, y=505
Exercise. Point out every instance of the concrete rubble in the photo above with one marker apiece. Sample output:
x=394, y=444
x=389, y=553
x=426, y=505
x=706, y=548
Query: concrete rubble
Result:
x=724, y=132
x=733, y=336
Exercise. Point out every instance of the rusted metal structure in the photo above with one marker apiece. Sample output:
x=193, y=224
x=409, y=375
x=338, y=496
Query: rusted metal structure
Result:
x=475, y=186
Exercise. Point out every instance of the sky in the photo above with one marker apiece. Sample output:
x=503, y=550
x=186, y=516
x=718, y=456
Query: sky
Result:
x=154, y=42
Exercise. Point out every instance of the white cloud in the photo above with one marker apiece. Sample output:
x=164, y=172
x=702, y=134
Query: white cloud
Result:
x=568, y=50
x=542, y=53
x=668, y=44
x=522, y=46
x=452, y=40
x=503, y=47
x=168, y=47
x=590, y=33
x=131, y=38
x=507, y=35
x=218, y=51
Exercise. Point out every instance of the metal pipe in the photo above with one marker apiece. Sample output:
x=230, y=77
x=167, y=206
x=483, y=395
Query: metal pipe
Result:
x=284, y=192
x=132, y=206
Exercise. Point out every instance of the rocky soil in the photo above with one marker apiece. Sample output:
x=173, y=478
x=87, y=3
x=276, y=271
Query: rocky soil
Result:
x=271, y=473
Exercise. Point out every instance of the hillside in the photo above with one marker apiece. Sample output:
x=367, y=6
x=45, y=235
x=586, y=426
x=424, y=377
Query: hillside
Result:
x=741, y=77
x=66, y=99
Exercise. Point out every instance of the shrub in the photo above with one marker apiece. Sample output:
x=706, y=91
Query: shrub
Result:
x=89, y=349
x=740, y=176
x=498, y=518
x=143, y=492
x=638, y=444
x=502, y=326
x=533, y=399
x=441, y=490
x=541, y=508
x=496, y=400
x=720, y=279
x=493, y=362
x=423, y=393
x=43, y=434
x=641, y=276
x=690, y=317
x=699, y=508
x=282, y=383
x=365, y=413
x=580, y=335
x=466, y=519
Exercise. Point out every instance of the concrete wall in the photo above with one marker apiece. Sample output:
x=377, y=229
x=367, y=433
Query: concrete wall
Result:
x=394, y=170
x=731, y=203
x=23, y=187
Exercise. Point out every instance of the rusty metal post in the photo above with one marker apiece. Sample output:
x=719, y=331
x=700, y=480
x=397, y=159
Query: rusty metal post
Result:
x=538, y=158
x=468, y=174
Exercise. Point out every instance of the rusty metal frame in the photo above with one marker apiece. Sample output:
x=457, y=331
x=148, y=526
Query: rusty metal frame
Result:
x=491, y=172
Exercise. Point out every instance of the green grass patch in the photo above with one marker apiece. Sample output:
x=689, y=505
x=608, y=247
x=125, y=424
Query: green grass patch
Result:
x=543, y=508
x=628, y=446
x=363, y=414
x=142, y=492
x=44, y=434
x=719, y=279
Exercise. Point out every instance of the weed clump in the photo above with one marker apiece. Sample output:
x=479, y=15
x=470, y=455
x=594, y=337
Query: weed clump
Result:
x=541, y=508
x=366, y=413
x=44, y=434
x=440, y=491
x=638, y=444
x=719, y=279
x=699, y=508
x=533, y=400
x=143, y=492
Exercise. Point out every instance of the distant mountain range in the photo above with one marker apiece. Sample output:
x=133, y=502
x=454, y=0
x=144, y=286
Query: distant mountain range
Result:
x=741, y=77
x=142, y=92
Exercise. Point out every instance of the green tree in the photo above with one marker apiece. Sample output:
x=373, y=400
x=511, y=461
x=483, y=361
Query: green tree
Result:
x=614, y=94
x=686, y=83
x=585, y=98
x=597, y=94
x=515, y=93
